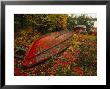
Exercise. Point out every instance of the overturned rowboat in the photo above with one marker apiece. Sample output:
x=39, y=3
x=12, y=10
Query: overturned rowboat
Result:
x=46, y=47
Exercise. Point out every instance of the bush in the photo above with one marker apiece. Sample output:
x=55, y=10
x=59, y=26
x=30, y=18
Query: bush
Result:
x=80, y=20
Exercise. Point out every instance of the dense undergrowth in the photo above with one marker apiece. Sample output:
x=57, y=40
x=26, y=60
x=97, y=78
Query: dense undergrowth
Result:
x=79, y=59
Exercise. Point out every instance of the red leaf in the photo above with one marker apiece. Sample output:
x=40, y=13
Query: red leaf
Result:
x=78, y=70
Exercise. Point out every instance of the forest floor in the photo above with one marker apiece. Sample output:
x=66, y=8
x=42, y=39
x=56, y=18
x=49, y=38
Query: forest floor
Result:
x=79, y=59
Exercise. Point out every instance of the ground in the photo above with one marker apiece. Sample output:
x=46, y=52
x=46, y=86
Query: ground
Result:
x=79, y=59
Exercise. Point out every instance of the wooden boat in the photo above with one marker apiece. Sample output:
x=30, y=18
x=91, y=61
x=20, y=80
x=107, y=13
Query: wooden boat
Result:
x=46, y=47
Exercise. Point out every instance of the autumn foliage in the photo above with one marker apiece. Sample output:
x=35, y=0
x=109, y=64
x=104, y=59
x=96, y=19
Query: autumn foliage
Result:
x=78, y=59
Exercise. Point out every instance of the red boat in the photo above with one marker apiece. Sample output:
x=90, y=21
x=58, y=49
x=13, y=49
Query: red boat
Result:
x=46, y=47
